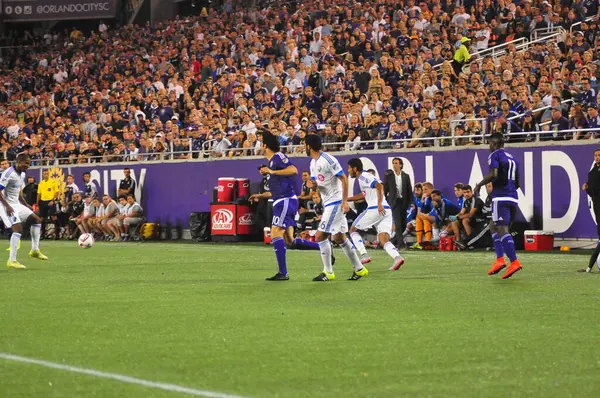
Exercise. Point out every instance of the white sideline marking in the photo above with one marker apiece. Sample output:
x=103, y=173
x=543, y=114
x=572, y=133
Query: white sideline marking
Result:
x=118, y=377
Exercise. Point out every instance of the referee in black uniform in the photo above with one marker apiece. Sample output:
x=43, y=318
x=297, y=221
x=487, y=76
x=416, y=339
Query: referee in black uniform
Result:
x=592, y=188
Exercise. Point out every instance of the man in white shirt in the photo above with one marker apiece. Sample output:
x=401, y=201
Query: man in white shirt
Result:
x=378, y=214
x=221, y=146
x=332, y=184
x=14, y=211
x=293, y=83
x=482, y=37
x=249, y=127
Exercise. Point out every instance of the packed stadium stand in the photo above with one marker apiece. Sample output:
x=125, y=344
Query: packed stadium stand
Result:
x=370, y=75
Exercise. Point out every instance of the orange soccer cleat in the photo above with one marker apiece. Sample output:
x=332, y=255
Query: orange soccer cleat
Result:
x=515, y=266
x=498, y=266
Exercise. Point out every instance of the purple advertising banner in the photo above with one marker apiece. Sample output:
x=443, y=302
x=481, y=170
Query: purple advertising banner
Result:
x=50, y=10
x=550, y=197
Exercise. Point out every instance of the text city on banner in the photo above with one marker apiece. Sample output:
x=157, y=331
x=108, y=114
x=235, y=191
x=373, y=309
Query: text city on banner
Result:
x=550, y=197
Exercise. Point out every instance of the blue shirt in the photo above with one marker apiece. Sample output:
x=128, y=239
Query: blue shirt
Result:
x=460, y=201
x=445, y=209
x=505, y=184
x=281, y=187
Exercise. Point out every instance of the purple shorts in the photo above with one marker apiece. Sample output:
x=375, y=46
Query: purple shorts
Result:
x=504, y=210
x=284, y=212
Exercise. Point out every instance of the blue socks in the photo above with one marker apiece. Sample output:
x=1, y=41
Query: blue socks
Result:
x=498, y=246
x=280, y=252
x=303, y=244
x=509, y=247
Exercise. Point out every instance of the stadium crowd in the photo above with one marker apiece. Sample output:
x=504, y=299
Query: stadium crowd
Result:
x=352, y=72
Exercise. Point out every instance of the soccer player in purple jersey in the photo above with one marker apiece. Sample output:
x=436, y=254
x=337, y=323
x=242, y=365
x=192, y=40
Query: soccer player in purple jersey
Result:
x=504, y=176
x=281, y=175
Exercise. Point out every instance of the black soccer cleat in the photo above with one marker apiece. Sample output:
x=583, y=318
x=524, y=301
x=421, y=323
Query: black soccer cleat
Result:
x=332, y=259
x=278, y=277
x=323, y=277
x=354, y=277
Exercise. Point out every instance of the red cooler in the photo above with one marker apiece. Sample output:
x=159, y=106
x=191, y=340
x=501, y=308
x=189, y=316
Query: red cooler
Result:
x=539, y=240
x=243, y=187
x=225, y=187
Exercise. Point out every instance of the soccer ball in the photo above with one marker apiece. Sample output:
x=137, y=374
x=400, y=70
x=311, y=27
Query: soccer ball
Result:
x=86, y=241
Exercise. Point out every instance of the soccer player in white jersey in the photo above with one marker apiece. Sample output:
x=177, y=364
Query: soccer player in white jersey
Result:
x=332, y=185
x=15, y=210
x=378, y=214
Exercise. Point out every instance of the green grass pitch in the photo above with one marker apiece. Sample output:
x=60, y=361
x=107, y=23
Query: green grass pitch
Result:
x=202, y=316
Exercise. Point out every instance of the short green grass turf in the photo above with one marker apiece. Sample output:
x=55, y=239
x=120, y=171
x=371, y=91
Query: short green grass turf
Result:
x=202, y=316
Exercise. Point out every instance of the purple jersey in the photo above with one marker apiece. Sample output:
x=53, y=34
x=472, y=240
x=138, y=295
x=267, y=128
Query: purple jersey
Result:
x=505, y=185
x=280, y=186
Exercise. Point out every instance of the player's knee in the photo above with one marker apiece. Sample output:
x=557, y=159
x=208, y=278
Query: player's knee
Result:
x=383, y=238
x=339, y=238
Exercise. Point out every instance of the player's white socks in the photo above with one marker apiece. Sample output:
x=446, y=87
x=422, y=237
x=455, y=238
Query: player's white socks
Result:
x=352, y=255
x=326, y=250
x=14, y=246
x=35, y=236
x=358, y=243
x=391, y=250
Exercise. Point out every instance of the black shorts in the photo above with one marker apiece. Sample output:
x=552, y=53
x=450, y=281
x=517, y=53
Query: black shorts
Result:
x=45, y=210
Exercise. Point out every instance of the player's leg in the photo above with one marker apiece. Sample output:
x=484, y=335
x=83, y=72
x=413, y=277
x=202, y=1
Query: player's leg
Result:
x=428, y=225
x=35, y=230
x=280, y=224
x=13, y=222
x=363, y=222
x=384, y=227
x=508, y=210
x=419, y=232
x=499, y=264
x=115, y=225
x=280, y=249
x=323, y=233
x=340, y=230
x=466, y=223
x=456, y=228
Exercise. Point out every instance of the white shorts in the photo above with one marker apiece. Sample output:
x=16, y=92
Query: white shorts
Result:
x=333, y=220
x=371, y=218
x=21, y=214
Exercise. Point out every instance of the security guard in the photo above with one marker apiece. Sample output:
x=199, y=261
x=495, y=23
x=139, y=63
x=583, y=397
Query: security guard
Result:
x=47, y=198
x=461, y=55
x=592, y=188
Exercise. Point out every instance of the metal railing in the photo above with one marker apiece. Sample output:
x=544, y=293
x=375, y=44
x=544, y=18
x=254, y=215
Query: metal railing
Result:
x=541, y=33
x=479, y=119
x=206, y=154
x=589, y=19
x=500, y=49
x=495, y=51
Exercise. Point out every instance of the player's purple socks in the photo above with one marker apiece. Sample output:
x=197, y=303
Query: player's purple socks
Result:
x=280, y=251
x=498, y=246
x=509, y=247
x=306, y=244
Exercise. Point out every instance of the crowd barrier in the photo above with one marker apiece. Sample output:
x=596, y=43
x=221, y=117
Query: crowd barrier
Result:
x=550, y=197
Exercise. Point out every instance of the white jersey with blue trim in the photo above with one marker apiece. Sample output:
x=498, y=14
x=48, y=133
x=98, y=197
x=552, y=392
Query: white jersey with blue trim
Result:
x=367, y=182
x=325, y=171
x=11, y=182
